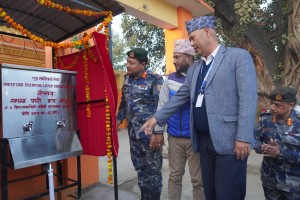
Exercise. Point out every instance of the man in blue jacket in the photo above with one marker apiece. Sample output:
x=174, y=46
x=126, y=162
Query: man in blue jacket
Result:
x=178, y=129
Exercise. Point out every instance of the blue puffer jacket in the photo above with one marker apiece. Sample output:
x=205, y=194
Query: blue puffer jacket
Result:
x=179, y=123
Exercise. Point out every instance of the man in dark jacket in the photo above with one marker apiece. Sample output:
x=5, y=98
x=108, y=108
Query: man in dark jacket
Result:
x=277, y=137
x=140, y=94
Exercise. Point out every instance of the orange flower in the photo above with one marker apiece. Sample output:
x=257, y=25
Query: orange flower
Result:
x=49, y=3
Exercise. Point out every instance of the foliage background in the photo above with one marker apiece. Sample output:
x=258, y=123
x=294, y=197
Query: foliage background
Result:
x=268, y=29
x=138, y=33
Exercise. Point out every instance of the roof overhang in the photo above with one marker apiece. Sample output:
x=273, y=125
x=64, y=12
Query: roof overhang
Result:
x=163, y=13
x=52, y=24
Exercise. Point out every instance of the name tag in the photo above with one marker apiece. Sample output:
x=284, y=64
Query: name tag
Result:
x=143, y=87
x=199, y=100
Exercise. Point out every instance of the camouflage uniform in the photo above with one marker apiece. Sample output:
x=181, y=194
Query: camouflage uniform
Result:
x=139, y=102
x=280, y=176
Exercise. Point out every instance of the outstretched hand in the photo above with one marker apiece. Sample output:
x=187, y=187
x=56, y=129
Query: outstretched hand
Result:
x=148, y=126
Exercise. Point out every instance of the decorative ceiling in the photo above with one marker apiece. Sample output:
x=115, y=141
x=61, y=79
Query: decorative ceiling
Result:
x=52, y=24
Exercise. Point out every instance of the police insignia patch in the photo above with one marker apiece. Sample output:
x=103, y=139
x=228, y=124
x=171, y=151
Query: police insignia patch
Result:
x=143, y=87
x=131, y=54
x=278, y=97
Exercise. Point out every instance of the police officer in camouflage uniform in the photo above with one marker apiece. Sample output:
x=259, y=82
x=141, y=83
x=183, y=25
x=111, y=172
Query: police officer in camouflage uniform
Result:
x=140, y=94
x=278, y=138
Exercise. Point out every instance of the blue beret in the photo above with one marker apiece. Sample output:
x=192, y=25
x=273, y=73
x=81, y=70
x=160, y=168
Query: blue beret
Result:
x=200, y=23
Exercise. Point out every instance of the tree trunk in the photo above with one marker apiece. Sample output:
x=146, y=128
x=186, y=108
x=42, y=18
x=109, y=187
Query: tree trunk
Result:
x=255, y=41
x=291, y=72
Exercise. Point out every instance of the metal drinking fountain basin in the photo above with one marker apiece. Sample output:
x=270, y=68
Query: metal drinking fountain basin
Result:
x=38, y=115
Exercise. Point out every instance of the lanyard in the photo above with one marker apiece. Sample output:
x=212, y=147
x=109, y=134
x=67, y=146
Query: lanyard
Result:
x=203, y=84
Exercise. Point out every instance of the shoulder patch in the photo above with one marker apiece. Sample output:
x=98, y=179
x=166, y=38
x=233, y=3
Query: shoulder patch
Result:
x=157, y=76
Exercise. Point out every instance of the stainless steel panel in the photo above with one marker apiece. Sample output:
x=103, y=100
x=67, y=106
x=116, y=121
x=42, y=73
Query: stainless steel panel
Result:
x=40, y=97
x=35, y=150
x=38, y=115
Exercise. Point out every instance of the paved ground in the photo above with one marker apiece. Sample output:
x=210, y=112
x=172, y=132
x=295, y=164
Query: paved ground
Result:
x=127, y=178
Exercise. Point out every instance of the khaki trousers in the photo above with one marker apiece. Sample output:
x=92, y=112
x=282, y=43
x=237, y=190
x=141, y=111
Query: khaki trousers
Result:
x=180, y=151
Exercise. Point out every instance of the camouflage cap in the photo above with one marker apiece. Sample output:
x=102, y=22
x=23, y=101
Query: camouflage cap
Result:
x=200, y=23
x=283, y=94
x=137, y=53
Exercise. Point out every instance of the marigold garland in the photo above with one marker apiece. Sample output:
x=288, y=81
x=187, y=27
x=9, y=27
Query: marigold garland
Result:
x=68, y=67
x=87, y=53
x=87, y=84
x=108, y=140
x=103, y=27
x=48, y=3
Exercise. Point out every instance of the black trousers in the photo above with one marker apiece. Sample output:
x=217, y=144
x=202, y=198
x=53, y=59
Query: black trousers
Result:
x=224, y=177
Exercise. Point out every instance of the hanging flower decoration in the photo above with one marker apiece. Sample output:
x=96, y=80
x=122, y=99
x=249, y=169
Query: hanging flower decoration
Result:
x=87, y=86
x=108, y=140
x=67, y=67
x=86, y=55
x=72, y=44
x=75, y=43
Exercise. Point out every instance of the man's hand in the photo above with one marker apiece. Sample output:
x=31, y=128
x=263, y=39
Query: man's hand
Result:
x=157, y=141
x=118, y=124
x=148, y=126
x=271, y=149
x=241, y=150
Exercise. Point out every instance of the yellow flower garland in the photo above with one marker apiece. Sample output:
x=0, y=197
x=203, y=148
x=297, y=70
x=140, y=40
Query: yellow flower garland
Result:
x=108, y=140
x=87, y=82
x=84, y=41
x=109, y=153
x=71, y=66
x=86, y=53
x=48, y=3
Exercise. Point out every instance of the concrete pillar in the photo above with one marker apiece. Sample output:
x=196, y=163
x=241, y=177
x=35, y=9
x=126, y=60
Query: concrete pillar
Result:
x=171, y=35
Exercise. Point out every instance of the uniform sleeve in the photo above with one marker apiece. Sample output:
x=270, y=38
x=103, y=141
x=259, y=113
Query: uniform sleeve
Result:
x=156, y=89
x=163, y=98
x=290, y=147
x=258, y=143
x=290, y=156
x=122, y=108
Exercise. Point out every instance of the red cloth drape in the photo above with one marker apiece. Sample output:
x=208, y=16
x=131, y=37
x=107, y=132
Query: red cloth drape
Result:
x=101, y=75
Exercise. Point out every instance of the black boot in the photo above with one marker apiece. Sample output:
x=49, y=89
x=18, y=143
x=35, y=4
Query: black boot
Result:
x=144, y=194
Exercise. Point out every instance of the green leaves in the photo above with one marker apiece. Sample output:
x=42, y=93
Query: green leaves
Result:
x=138, y=33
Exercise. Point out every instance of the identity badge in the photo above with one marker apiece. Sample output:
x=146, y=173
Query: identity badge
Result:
x=199, y=100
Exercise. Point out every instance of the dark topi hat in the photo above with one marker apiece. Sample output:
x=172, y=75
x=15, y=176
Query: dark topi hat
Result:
x=284, y=94
x=138, y=53
x=200, y=23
